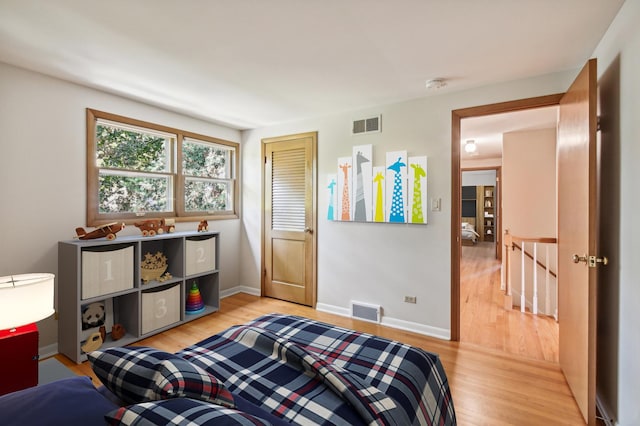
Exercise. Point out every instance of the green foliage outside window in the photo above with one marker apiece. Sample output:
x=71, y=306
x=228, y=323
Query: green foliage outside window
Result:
x=206, y=167
x=126, y=154
x=124, y=149
x=120, y=194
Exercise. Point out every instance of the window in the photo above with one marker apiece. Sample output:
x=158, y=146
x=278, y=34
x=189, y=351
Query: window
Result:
x=137, y=169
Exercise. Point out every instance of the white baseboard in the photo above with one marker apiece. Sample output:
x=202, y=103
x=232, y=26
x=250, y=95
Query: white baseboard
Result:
x=332, y=309
x=414, y=327
x=427, y=330
x=240, y=289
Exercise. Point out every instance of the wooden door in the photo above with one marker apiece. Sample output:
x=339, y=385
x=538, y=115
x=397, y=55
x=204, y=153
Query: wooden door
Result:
x=577, y=225
x=289, y=239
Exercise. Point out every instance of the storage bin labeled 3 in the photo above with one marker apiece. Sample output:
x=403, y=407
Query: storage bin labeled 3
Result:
x=160, y=308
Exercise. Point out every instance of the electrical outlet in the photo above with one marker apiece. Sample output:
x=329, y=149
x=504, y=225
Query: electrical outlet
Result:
x=410, y=299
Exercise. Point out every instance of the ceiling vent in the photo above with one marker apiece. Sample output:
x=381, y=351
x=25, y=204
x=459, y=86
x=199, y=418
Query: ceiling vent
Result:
x=366, y=125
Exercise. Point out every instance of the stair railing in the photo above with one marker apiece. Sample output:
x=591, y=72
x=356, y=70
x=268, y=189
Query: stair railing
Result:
x=512, y=243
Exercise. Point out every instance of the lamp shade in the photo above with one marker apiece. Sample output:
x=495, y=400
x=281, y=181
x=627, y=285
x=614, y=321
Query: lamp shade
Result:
x=25, y=299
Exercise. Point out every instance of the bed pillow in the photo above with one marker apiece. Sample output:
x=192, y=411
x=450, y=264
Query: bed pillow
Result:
x=141, y=374
x=180, y=411
x=71, y=401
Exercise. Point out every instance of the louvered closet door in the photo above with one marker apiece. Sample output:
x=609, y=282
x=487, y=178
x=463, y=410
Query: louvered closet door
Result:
x=289, y=214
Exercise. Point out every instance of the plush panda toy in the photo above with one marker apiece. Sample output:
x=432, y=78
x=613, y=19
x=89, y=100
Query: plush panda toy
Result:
x=93, y=315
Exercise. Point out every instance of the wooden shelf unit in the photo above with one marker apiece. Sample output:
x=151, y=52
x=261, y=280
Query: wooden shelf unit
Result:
x=108, y=273
x=489, y=216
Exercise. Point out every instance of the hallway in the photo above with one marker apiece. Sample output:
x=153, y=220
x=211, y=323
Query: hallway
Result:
x=485, y=322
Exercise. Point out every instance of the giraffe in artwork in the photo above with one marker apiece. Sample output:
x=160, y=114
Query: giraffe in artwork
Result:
x=416, y=208
x=379, y=216
x=360, y=213
x=330, y=212
x=397, y=202
x=346, y=205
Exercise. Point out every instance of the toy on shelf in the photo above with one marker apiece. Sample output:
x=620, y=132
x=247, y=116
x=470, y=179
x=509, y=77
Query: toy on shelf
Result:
x=109, y=231
x=117, y=332
x=153, y=266
x=93, y=315
x=203, y=226
x=92, y=343
x=151, y=227
x=194, y=304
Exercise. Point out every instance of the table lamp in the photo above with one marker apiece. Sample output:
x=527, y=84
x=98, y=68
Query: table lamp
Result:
x=24, y=299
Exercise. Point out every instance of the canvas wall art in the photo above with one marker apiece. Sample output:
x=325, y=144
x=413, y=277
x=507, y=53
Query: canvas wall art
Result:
x=362, y=191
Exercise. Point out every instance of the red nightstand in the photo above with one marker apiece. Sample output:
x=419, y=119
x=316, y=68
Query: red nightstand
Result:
x=18, y=358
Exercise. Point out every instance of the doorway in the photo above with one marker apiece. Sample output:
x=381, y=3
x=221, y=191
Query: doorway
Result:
x=524, y=143
x=578, y=223
x=487, y=266
x=481, y=208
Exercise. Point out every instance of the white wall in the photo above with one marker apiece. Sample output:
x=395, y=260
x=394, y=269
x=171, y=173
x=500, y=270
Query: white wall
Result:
x=619, y=292
x=380, y=263
x=479, y=178
x=43, y=172
x=529, y=183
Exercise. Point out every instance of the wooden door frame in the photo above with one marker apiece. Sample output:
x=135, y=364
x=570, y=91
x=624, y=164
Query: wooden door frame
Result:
x=456, y=185
x=498, y=186
x=314, y=227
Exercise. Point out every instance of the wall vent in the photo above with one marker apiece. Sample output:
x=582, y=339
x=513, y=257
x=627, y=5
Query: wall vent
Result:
x=366, y=125
x=366, y=311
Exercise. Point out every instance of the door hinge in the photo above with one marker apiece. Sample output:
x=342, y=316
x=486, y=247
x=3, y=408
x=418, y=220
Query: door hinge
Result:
x=598, y=124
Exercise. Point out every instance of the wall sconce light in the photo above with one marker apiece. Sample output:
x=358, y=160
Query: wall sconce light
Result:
x=470, y=146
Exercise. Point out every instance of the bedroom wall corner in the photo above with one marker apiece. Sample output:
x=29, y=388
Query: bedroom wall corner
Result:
x=43, y=168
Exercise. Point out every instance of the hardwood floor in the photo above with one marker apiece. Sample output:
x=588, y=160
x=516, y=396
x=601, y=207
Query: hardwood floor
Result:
x=485, y=322
x=489, y=387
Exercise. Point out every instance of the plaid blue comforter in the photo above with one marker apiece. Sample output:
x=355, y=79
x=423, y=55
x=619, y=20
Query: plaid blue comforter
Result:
x=308, y=372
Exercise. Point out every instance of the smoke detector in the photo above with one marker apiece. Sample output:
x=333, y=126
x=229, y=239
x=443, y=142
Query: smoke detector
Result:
x=436, y=83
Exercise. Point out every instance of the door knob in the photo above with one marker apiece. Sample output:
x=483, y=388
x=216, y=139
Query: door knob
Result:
x=578, y=259
x=592, y=261
x=308, y=230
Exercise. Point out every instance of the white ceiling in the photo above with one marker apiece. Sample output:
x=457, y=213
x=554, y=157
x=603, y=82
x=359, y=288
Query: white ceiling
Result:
x=487, y=130
x=251, y=63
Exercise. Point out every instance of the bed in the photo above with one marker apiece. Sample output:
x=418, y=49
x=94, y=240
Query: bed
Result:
x=277, y=369
x=468, y=233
